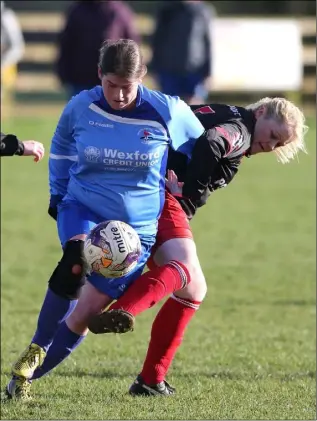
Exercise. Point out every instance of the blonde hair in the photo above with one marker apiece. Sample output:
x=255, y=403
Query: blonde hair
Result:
x=286, y=112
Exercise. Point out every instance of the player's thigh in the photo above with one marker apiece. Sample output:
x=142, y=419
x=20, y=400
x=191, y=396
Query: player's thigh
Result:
x=184, y=250
x=175, y=242
x=91, y=302
x=173, y=223
x=99, y=292
x=74, y=221
x=115, y=287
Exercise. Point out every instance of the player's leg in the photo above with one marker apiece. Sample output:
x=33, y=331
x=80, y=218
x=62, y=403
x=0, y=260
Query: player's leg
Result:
x=54, y=310
x=96, y=295
x=160, y=281
x=184, y=250
x=175, y=243
x=73, y=330
x=172, y=320
x=61, y=298
x=148, y=290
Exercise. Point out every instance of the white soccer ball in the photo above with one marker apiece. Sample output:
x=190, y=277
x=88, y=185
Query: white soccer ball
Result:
x=112, y=249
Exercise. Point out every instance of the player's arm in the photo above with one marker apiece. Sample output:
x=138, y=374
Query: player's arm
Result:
x=10, y=145
x=184, y=128
x=208, y=169
x=63, y=154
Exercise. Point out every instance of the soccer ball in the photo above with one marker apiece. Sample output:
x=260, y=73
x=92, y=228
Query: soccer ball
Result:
x=112, y=249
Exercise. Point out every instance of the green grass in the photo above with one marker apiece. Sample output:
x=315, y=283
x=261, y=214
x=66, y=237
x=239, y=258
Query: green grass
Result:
x=250, y=351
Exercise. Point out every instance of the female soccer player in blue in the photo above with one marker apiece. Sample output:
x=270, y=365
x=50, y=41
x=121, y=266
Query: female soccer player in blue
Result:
x=102, y=166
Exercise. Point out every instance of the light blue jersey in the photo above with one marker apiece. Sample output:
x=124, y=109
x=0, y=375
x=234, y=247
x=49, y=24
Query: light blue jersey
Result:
x=114, y=162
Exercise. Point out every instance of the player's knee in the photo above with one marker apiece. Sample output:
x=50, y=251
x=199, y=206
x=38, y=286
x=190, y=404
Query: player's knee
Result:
x=196, y=290
x=183, y=250
x=90, y=303
x=70, y=273
x=198, y=281
x=196, y=275
x=77, y=321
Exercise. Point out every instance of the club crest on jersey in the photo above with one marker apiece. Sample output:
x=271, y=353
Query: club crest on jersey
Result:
x=148, y=135
x=92, y=154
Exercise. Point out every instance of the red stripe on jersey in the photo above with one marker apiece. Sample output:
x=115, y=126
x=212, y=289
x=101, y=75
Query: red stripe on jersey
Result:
x=233, y=138
x=205, y=110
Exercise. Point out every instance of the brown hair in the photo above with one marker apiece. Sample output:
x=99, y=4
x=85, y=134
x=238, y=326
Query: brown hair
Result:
x=122, y=57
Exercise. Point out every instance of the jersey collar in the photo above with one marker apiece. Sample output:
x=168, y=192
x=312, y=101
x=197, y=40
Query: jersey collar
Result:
x=249, y=120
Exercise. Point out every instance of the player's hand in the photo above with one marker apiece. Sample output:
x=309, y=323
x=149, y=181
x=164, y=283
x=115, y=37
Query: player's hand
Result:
x=33, y=148
x=173, y=185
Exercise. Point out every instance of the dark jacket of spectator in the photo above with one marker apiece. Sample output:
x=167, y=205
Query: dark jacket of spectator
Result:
x=88, y=24
x=181, y=42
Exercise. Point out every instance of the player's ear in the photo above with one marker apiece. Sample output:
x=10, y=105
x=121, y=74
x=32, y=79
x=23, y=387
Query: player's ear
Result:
x=144, y=72
x=99, y=73
x=260, y=111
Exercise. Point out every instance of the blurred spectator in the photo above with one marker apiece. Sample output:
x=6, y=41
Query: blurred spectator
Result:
x=181, y=46
x=88, y=24
x=12, y=49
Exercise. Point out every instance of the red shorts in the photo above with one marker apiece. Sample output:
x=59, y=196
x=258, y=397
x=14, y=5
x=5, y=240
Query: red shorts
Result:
x=173, y=223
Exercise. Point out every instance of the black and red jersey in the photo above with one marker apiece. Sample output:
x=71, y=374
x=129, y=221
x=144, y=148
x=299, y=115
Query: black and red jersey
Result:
x=217, y=154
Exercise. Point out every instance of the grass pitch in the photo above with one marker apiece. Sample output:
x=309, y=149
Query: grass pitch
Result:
x=249, y=353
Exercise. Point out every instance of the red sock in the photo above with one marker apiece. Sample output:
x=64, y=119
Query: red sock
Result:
x=167, y=335
x=152, y=287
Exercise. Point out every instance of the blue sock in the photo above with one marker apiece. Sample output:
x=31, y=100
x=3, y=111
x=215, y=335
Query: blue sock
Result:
x=63, y=344
x=54, y=311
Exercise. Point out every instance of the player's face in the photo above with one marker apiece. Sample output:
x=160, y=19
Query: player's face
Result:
x=119, y=92
x=269, y=134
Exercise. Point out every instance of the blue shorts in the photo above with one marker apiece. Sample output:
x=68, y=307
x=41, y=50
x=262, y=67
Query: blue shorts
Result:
x=74, y=219
x=191, y=84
